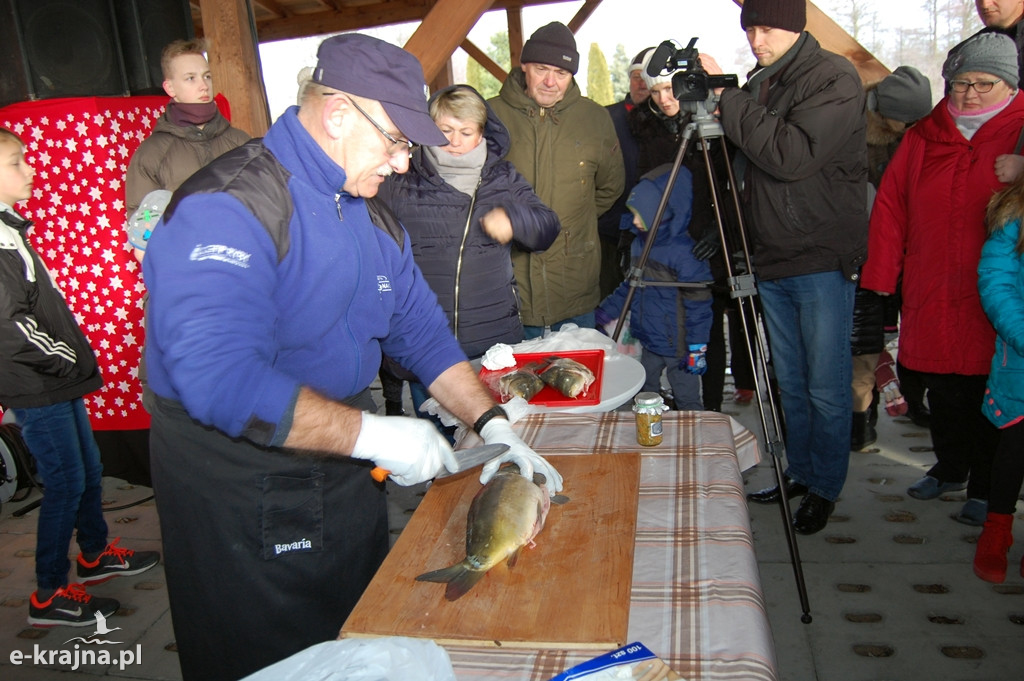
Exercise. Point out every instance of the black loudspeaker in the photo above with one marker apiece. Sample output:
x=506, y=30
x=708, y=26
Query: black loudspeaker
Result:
x=72, y=48
x=145, y=27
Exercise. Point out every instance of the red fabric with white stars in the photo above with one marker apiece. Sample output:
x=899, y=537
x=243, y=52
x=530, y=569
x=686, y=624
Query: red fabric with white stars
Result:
x=80, y=148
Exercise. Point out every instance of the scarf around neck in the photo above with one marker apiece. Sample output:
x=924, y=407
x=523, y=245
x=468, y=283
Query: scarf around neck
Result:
x=184, y=115
x=970, y=123
x=461, y=172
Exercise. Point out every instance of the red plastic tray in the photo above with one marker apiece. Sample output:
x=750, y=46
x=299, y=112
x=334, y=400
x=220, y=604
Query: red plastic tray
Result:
x=548, y=396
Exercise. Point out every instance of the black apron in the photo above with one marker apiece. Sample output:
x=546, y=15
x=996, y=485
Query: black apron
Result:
x=266, y=551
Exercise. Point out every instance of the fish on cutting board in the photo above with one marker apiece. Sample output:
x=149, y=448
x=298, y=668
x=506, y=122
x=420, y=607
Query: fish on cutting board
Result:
x=504, y=516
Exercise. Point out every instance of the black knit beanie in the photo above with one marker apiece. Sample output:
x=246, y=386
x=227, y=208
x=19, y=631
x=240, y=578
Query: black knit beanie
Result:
x=789, y=15
x=554, y=45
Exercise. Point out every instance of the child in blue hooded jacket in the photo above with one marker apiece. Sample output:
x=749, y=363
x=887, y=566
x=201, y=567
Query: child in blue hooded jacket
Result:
x=672, y=323
x=1001, y=286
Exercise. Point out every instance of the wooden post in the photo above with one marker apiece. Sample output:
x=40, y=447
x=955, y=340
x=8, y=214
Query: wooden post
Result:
x=234, y=60
x=515, y=34
x=444, y=77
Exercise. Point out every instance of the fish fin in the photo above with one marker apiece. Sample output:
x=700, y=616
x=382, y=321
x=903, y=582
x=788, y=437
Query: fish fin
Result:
x=511, y=562
x=460, y=579
x=462, y=583
x=443, y=575
x=559, y=499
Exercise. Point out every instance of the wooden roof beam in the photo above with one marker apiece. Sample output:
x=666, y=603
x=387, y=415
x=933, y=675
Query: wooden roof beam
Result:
x=442, y=30
x=341, y=17
x=484, y=59
x=582, y=15
x=275, y=8
x=339, y=21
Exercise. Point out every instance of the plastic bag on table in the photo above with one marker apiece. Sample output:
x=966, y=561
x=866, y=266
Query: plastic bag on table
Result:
x=378, y=659
x=569, y=337
x=627, y=344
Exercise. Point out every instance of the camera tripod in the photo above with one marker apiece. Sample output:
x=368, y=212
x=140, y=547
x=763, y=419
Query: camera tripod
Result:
x=743, y=289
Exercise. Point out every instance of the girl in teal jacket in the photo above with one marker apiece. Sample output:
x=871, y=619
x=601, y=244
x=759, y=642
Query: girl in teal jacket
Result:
x=1001, y=285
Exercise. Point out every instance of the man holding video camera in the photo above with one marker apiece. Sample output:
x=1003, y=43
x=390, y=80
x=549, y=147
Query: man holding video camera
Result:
x=799, y=125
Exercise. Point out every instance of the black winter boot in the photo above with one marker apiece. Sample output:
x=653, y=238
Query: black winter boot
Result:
x=863, y=432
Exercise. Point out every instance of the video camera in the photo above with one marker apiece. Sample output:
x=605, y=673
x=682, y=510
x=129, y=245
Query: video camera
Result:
x=690, y=82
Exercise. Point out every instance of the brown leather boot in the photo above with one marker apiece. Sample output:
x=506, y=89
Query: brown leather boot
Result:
x=994, y=542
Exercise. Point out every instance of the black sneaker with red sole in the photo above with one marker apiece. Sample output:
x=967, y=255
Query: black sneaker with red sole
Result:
x=115, y=561
x=69, y=606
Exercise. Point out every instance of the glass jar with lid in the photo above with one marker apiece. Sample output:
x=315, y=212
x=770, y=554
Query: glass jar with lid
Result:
x=648, y=407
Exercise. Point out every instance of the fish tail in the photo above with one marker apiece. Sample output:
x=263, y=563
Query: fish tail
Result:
x=460, y=579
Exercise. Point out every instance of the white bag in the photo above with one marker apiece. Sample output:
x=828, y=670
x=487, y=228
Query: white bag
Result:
x=363, y=659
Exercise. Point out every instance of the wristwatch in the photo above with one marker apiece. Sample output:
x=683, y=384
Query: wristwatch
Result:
x=495, y=411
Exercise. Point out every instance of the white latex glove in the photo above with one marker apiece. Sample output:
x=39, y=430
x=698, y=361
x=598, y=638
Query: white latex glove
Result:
x=499, y=431
x=413, y=450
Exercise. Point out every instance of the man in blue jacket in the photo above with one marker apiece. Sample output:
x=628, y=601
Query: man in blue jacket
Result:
x=276, y=282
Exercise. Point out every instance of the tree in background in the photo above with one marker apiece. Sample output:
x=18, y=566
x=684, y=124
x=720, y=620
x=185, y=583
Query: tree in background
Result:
x=620, y=73
x=599, y=82
x=479, y=77
x=924, y=47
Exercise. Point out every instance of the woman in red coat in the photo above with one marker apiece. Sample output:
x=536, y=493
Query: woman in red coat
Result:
x=928, y=224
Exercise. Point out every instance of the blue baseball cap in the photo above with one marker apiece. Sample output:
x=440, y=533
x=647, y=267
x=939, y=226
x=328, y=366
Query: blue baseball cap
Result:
x=368, y=67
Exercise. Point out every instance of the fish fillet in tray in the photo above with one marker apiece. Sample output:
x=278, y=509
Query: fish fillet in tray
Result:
x=549, y=396
x=570, y=591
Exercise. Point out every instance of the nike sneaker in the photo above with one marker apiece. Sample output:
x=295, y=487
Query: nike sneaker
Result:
x=69, y=606
x=115, y=561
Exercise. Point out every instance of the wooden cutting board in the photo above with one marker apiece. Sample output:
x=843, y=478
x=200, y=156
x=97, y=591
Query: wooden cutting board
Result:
x=570, y=591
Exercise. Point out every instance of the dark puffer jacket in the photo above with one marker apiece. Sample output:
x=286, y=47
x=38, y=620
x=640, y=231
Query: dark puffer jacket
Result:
x=470, y=272
x=665, y=319
x=658, y=138
x=807, y=170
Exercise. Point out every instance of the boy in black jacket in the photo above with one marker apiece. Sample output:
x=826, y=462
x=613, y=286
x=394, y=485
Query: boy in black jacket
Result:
x=46, y=367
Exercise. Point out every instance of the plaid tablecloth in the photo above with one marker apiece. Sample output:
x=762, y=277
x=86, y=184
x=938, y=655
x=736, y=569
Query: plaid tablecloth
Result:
x=696, y=600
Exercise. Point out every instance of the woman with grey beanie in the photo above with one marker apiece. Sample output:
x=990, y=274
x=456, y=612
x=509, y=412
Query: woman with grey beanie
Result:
x=928, y=225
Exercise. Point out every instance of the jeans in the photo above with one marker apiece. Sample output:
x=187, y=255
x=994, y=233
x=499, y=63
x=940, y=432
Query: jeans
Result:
x=584, y=321
x=809, y=319
x=68, y=463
